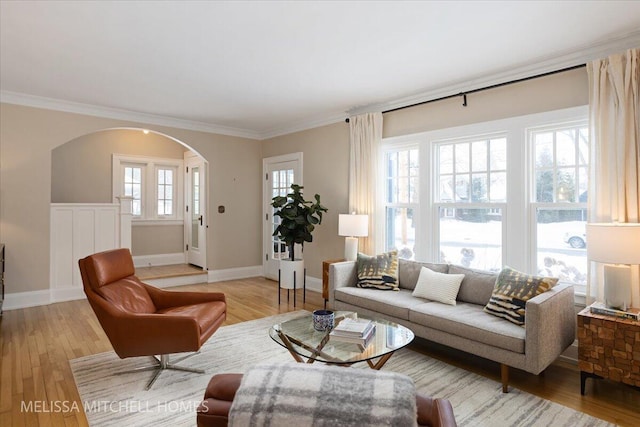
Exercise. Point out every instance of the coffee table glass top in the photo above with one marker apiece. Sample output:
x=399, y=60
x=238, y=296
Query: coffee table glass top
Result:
x=298, y=336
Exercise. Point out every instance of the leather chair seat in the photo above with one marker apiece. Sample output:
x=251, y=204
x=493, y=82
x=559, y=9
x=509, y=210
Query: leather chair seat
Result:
x=206, y=313
x=221, y=390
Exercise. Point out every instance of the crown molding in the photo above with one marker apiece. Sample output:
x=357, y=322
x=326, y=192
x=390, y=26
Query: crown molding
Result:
x=540, y=65
x=324, y=120
x=9, y=97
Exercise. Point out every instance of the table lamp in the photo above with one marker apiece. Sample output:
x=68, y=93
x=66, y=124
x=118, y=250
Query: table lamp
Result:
x=618, y=246
x=352, y=226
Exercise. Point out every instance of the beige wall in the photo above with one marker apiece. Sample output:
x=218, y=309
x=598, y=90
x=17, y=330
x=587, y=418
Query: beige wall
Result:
x=81, y=168
x=325, y=172
x=562, y=90
x=157, y=239
x=27, y=138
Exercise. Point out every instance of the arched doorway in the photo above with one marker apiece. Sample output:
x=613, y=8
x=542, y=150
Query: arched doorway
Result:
x=150, y=167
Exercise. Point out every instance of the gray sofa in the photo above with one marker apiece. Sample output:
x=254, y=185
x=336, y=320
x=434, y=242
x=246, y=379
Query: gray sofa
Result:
x=549, y=326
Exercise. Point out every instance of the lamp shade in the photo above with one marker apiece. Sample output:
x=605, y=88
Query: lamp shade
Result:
x=353, y=225
x=614, y=243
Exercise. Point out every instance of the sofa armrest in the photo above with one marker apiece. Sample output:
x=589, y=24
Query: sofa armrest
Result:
x=341, y=274
x=550, y=326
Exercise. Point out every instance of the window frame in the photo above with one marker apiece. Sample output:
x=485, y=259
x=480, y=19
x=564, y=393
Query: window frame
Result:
x=149, y=188
x=534, y=205
x=383, y=179
x=122, y=169
x=518, y=216
x=437, y=204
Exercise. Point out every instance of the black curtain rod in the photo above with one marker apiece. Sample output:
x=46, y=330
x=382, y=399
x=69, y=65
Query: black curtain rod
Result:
x=464, y=94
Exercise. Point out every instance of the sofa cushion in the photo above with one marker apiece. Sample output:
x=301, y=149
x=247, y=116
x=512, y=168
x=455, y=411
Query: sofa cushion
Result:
x=409, y=271
x=471, y=322
x=477, y=285
x=438, y=287
x=512, y=291
x=394, y=304
x=380, y=271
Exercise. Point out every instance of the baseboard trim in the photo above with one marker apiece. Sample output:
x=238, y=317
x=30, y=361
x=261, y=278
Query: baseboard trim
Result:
x=20, y=300
x=66, y=294
x=570, y=354
x=314, y=284
x=234, y=273
x=26, y=299
x=159, y=259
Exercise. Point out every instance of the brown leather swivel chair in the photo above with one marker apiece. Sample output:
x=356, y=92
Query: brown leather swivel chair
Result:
x=141, y=320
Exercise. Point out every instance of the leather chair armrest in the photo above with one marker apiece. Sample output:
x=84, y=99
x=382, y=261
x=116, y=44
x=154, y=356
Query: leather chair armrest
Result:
x=143, y=334
x=167, y=299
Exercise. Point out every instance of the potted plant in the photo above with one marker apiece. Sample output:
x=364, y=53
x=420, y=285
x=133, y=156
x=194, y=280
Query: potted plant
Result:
x=298, y=219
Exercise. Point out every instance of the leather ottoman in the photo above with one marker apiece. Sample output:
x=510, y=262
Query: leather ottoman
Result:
x=218, y=397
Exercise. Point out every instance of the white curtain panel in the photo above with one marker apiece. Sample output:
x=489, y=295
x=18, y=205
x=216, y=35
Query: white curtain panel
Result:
x=614, y=176
x=365, y=140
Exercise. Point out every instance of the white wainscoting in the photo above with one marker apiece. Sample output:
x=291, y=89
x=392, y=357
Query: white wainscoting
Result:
x=78, y=230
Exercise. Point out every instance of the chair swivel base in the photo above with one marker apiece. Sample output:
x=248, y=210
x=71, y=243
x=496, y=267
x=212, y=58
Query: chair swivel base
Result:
x=161, y=365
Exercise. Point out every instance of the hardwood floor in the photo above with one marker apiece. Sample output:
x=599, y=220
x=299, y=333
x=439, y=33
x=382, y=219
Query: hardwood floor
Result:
x=37, y=343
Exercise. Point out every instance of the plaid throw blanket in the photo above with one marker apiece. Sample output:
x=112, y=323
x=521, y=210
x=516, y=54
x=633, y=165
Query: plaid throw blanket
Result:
x=300, y=395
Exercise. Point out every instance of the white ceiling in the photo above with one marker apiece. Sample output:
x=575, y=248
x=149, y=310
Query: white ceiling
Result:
x=260, y=69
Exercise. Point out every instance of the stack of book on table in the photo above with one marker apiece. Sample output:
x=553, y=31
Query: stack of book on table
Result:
x=356, y=331
x=601, y=308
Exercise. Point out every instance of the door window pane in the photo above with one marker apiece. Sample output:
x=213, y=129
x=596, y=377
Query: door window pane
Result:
x=280, y=186
x=195, y=211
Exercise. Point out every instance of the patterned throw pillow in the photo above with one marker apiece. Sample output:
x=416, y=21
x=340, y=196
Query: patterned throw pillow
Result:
x=379, y=271
x=512, y=291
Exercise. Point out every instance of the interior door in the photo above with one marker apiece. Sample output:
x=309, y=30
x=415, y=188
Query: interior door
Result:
x=195, y=211
x=279, y=172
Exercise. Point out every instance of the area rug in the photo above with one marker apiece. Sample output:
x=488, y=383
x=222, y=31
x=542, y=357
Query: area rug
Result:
x=120, y=400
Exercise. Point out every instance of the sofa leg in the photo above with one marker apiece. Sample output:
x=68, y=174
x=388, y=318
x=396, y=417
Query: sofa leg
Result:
x=504, y=375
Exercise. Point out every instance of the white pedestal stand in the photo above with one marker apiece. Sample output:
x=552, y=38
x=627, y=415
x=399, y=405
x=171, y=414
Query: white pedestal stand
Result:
x=290, y=274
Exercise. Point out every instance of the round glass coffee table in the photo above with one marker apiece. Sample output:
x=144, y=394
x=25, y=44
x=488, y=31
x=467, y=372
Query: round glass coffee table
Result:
x=304, y=342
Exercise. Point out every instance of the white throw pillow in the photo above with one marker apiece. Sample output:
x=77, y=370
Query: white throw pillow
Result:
x=439, y=287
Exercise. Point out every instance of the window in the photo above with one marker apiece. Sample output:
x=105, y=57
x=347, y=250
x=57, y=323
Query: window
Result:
x=401, y=201
x=470, y=200
x=166, y=200
x=133, y=187
x=507, y=192
x=153, y=184
x=560, y=161
x=281, y=180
